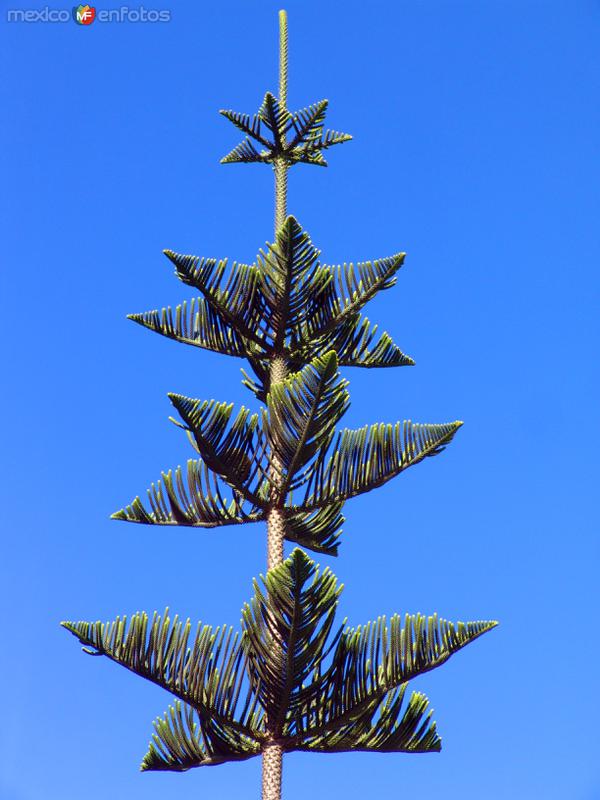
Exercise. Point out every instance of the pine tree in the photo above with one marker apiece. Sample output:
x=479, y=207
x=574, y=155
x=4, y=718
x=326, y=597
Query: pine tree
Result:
x=292, y=680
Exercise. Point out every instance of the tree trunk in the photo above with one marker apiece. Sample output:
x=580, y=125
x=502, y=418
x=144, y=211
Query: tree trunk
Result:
x=272, y=756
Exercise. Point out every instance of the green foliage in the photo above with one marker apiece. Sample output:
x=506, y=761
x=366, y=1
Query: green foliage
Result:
x=320, y=686
x=363, y=459
x=356, y=344
x=234, y=480
x=292, y=677
x=198, y=324
x=317, y=530
x=205, y=671
x=297, y=137
x=183, y=739
x=194, y=498
x=302, y=414
x=286, y=303
x=234, y=452
x=231, y=292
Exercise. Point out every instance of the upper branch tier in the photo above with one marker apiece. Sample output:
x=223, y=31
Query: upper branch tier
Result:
x=275, y=134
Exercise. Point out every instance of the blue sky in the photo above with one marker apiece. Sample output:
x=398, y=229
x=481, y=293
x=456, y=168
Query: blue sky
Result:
x=476, y=129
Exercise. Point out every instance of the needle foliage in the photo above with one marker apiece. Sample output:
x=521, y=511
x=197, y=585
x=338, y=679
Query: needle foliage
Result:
x=293, y=678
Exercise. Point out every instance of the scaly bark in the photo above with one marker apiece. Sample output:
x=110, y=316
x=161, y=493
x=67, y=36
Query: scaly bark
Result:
x=272, y=757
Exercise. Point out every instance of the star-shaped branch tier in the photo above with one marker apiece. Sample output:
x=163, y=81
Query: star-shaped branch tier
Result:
x=331, y=688
x=277, y=134
x=319, y=468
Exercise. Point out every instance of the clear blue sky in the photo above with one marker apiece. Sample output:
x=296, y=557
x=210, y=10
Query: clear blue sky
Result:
x=476, y=129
